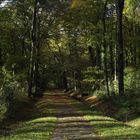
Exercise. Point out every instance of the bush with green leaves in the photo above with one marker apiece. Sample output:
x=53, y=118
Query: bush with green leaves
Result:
x=3, y=108
x=132, y=79
x=93, y=80
x=10, y=88
x=128, y=108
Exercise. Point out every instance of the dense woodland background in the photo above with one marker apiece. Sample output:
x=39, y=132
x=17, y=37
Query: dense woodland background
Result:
x=88, y=47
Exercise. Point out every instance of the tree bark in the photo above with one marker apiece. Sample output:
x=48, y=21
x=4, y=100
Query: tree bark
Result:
x=0, y=57
x=32, y=50
x=98, y=56
x=105, y=49
x=112, y=61
x=120, y=48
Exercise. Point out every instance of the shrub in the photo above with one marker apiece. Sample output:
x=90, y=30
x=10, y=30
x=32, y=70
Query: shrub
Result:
x=93, y=80
x=132, y=80
x=10, y=88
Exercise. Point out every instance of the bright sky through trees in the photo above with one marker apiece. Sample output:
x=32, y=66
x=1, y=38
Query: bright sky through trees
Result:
x=4, y=3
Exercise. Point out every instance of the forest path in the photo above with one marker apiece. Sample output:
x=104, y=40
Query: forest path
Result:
x=71, y=124
x=55, y=116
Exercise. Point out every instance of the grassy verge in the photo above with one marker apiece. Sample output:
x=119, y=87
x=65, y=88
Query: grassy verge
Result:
x=29, y=120
x=109, y=128
x=39, y=129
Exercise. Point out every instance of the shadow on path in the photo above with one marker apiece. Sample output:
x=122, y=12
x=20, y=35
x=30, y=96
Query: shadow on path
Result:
x=71, y=124
x=55, y=116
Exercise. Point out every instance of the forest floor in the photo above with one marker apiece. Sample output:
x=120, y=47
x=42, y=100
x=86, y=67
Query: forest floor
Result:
x=56, y=116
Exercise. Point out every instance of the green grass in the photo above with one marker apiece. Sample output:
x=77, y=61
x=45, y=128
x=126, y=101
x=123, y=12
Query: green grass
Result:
x=32, y=123
x=134, y=123
x=29, y=120
x=109, y=128
x=39, y=129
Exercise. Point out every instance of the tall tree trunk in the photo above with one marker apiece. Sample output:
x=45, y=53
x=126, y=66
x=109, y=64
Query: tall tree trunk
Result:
x=98, y=56
x=1, y=61
x=134, y=39
x=105, y=49
x=32, y=50
x=0, y=57
x=120, y=48
x=37, y=55
x=112, y=60
x=77, y=70
x=112, y=55
x=135, y=46
x=37, y=70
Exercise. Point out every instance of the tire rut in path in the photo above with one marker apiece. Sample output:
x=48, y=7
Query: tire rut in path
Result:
x=71, y=124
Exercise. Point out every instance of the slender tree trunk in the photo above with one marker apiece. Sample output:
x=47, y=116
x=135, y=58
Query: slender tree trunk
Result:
x=112, y=55
x=78, y=75
x=112, y=60
x=115, y=62
x=32, y=50
x=105, y=50
x=1, y=61
x=0, y=57
x=23, y=46
x=65, y=81
x=134, y=41
x=77, y=70
x=98, y=56
x=37, y=71
x=37, y=56
x=120, y=48
x=135, y=46
x=115, y=53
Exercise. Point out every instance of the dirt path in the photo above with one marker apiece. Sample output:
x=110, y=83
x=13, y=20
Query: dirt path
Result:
x=55, y=116
x=71, y=124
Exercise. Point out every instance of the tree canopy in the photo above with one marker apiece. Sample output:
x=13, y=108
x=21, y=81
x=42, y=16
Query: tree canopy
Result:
x=90, y=47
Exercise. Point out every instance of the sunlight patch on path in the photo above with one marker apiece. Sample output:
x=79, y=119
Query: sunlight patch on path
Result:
x=74, y=128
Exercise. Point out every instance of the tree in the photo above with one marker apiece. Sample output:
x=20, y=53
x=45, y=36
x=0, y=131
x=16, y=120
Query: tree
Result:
x=105, y=47
x=120, y=48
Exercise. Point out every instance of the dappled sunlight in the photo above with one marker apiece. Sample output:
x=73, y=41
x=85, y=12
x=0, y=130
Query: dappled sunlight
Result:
x=101, y=105
x=134, y=123
x=45, y=119
x=75, y=127
x=69, y=69
x=41, y=128
x=60, y=117
x=35, y=122
x=93, y=101
x=110, y=128
x=95, y=117
x=57, y=113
